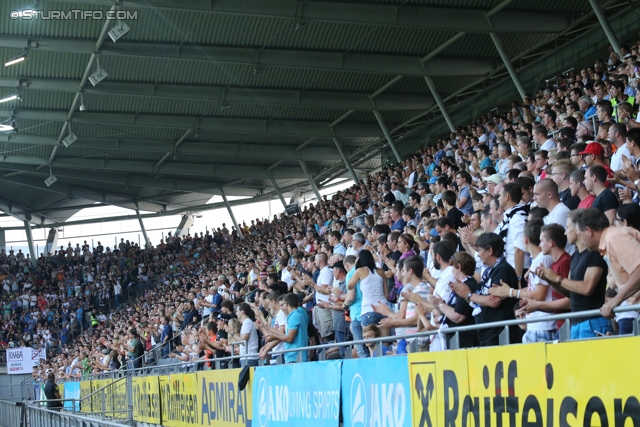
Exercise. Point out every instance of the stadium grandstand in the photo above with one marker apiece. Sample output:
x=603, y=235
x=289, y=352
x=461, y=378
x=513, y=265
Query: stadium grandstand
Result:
x=459, y=235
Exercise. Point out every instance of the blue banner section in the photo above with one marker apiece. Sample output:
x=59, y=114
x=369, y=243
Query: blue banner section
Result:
x=72, y=391
x=376, y=392
x=301, y=394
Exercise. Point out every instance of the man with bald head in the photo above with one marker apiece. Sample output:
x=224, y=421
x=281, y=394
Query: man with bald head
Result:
x=545, y=193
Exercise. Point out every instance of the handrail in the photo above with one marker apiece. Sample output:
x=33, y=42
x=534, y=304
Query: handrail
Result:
x=452, y=330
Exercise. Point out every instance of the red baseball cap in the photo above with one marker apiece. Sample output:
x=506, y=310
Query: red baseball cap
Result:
x=593, y=148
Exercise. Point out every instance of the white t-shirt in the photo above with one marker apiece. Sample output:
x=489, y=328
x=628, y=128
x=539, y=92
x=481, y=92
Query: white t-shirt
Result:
x=549, y=144
x=616, y=158
x=558, y=215
x=286, y=277
x=515, y=240
x=533, y=282
x=280, y=320
x=252, y=343
x=325, y=278
x=208, y=310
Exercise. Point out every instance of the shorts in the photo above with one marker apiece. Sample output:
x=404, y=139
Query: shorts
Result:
x=370, y=318
x=590, y=328
x=538, y=336
x=323, y=320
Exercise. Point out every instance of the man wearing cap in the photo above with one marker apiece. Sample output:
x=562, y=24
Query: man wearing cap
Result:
x=492, y=181
x=593, y=154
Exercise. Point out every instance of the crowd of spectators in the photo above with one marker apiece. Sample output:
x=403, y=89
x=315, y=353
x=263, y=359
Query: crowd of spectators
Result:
x=516, y=215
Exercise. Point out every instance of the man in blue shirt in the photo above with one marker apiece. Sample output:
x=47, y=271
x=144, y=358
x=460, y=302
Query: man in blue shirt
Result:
x=396, y=215
x=296, y=332
x=166, y=336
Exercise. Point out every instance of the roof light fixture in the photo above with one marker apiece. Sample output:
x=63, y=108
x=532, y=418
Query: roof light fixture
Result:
x=11, y=97
x=99, y=75
x=8, y=125
x=21, y=57
x=82, y=106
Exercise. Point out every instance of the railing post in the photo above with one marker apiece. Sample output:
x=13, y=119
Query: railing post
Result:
x=280, y=359
x=636, y=326
x=378, y=350
x=413, y=346
x=322, y=354
x=503, y=339
x=565, y=331
x=454, y=343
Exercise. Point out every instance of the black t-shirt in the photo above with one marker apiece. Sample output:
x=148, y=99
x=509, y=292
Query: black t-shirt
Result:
x=606, y=201
x=389, y=197
x=455, y=216
x=570, y=201
x=468, y=339
x=579, y=264
x=501, y=271
x=50, y=389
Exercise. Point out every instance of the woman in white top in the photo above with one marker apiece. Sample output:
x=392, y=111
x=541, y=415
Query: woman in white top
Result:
x=373, y=287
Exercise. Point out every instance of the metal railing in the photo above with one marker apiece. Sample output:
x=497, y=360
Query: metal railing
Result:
x=564, y=335
x=23, y=415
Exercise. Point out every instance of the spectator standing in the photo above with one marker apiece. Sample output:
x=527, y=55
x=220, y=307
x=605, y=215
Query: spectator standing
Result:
x=52, y=393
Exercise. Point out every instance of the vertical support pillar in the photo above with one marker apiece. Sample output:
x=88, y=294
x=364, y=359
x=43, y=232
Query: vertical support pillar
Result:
x=303, y=165
x=32, y=251
x=606, y=27
x=507, y=63
x=185, y=224
x=233, y=218
x=3, y=241
x=144, y=232
x=436, y=96
x=387, y=135
x=278, y=191
x=52, y=242
x=346, y=161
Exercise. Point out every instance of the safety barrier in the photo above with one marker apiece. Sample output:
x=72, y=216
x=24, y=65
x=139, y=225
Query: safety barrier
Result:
x=580, y=382
x=569, y=383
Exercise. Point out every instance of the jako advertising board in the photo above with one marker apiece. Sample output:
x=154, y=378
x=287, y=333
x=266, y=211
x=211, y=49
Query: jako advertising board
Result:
x=302, y=394
x=376, y=392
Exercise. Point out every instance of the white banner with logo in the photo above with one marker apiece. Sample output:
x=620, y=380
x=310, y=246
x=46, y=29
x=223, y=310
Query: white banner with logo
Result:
x=22, y=360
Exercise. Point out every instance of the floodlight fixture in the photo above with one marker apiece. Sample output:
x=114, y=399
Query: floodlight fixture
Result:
x=82, y=106
x=99, y=75
x=8, y=125
x=70, y=138
x=52, y=178
x=118, y=31
x=21, y=57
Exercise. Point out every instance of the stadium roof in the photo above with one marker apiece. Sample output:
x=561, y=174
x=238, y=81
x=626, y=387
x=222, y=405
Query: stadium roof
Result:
x=205, y=96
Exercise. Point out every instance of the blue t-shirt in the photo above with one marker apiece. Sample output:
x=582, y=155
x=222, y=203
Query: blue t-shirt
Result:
x=399, y=225
x=468, y=205
x=355, y=309
x=299, y=320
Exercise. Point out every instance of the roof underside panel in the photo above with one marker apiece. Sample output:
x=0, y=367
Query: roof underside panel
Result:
x=305, y=83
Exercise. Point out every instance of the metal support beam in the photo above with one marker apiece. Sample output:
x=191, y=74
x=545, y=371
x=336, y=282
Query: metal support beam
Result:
x=52, y=242
x=3, y=240
x=32, y=250
x=508, y=64
x=185, y=224
x=611, y=36
x=303, y=165
x=147, y=243
x=175, y=147
x=440, y=102
x=233, y=217
x=407, y=65
x=277, y=189
x=345, y=159
x=387, y=135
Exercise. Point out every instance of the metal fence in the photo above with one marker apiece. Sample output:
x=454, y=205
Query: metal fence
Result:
x=320, y=350
x=30, y=415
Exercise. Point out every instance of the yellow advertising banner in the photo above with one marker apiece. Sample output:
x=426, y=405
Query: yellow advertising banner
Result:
x=116, y=398
x=164, y=385
x=181, y=401
x=146, y=400
x=506, y=386
x=85, y=391
x=439, y=383
x=98, y=401
x=222, y=404
x=594, y=383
